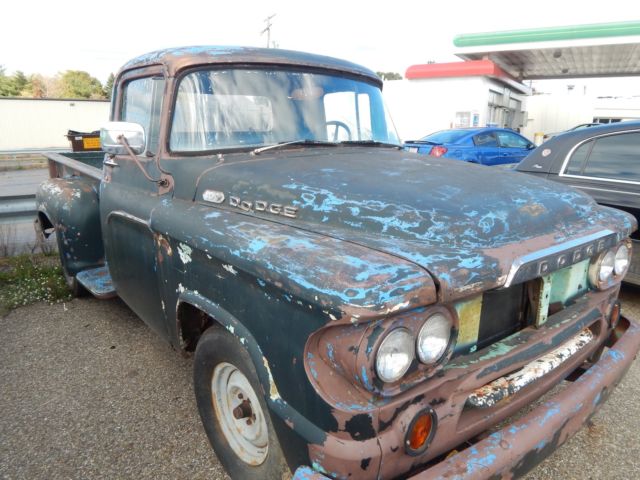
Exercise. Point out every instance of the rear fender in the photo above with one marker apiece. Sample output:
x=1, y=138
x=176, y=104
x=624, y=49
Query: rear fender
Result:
x=71, y=206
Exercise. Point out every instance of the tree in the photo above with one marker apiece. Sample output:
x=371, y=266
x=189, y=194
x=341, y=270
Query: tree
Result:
x=389, y=75
x=9, y=86
x=20, y=81
x=36, y=87
x=108, y=87
x=79, y=84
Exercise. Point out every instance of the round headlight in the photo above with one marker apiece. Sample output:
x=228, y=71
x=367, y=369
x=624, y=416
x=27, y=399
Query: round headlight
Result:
x=395, y=354
x=607, y=264
x=621, y=262
x=433, y=338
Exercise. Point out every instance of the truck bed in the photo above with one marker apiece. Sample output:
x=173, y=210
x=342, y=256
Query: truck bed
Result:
x=87, y=164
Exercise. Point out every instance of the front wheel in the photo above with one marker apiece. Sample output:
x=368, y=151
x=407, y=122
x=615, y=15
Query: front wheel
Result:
x=233, y=412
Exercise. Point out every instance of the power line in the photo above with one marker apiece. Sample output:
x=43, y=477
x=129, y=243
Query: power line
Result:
x=268, y=29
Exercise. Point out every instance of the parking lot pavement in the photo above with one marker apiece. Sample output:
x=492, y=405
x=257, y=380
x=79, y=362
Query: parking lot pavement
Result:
x=21, y=182
x=88, y=391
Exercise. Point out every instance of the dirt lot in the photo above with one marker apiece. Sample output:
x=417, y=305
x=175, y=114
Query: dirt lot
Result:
x=88, y=391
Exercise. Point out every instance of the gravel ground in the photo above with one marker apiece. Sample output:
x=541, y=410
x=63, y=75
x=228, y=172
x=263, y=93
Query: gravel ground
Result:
x=88, y=391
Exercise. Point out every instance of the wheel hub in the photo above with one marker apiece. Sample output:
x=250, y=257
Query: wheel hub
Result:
x=239, y=414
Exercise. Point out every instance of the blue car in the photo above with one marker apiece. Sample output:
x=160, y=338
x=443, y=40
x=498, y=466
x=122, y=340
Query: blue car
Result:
x=486, y=146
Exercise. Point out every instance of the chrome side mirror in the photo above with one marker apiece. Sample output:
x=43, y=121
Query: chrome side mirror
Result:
x=133, y=133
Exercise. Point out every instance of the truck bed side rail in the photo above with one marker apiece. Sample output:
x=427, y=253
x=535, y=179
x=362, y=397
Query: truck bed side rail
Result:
x=59, y=163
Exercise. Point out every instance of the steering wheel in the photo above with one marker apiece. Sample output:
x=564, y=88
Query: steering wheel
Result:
x=338, y=125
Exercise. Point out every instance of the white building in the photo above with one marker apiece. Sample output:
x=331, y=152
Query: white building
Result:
x=453, y=95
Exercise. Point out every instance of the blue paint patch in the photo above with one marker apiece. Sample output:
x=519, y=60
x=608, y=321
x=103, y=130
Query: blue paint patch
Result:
x=541, y=444
x=330, y=353
x=305, y=473
x=549, y=414
x=477, y=464
x=312, y=365
x=597, y=398
x=354, y=406
x=256, y=245
x=616, y=355
x=365, y=379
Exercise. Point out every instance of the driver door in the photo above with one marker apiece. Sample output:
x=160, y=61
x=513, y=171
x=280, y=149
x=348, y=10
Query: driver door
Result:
x=128, y=198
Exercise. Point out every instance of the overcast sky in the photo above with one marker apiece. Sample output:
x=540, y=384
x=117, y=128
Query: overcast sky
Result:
x=49, y=36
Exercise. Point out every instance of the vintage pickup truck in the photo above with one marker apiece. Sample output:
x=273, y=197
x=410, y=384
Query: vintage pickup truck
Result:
x=354, y=309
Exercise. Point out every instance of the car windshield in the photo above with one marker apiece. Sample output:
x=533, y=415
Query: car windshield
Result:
x=445, y=136
x=234, y=108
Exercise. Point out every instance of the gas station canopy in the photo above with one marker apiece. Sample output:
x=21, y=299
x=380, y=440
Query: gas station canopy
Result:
x=597, y=50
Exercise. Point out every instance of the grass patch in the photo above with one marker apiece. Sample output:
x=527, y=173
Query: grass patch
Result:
x=27, y=279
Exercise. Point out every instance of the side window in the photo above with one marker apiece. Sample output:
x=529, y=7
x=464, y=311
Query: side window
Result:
x=350, y=110
x=485, y=140
x=511, y=140
x=616, y=157
x=576, y=162
x=142, y=104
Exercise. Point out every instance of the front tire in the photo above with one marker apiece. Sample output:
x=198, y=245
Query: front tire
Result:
x=233, y=411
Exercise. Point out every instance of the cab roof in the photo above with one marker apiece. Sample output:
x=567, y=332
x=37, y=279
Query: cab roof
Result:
x=176, y=59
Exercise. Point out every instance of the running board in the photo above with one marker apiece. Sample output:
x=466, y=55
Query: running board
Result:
x=98, y=282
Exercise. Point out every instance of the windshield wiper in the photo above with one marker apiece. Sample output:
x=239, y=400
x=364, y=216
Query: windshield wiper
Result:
x=370, y=143
x=305, y=141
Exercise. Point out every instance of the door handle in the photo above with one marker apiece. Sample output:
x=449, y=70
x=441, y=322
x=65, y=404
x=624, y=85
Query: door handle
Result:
x=110, y=162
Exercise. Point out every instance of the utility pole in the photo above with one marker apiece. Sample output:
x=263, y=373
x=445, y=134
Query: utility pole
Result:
x=268, y=29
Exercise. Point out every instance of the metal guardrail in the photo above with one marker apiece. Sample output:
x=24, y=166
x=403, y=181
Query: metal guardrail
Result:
x=17, y=205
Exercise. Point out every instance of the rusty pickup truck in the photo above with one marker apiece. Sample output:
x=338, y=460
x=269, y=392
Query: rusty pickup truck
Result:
x=355, y=310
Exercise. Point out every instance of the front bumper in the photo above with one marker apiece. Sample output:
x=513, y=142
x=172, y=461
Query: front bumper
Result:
x=518, y=447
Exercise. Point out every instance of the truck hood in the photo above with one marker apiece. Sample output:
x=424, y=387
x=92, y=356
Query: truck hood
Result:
x=465, y=224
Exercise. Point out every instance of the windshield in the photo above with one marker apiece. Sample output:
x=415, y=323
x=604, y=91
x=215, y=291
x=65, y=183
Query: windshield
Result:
x=219, y=109
x=445, y=136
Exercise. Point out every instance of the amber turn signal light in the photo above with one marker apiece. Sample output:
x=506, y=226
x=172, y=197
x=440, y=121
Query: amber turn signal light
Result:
x=420, y=432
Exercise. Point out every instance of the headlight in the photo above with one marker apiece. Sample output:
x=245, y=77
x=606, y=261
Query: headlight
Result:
x=610, y=266
x=621, y=262
x=395, y=354
x=606, y=266
x=433, y=338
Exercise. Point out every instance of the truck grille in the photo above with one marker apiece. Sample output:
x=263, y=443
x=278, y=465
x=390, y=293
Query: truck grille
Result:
x=502, y=314
x=488, y=318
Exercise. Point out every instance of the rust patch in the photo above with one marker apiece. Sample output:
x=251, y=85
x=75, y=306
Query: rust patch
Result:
x=533, y=209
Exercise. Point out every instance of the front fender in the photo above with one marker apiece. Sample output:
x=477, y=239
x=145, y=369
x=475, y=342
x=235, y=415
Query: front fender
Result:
x=349, y=282
x=303, y=427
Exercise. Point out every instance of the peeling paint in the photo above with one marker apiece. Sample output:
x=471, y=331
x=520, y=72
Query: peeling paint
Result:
x=274, y=395
x=230, y=269
x=185, y=253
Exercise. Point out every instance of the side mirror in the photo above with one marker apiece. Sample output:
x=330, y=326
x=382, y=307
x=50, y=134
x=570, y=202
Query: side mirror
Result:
x=531, y=146
x=133, y=133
